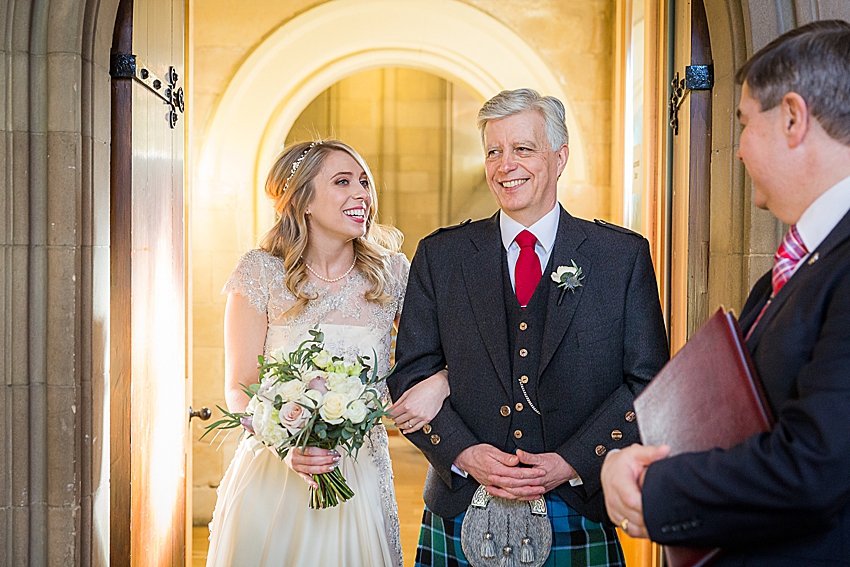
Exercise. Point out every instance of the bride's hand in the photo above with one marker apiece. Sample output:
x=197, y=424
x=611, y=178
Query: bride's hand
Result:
x=418, y=405
x=310, y=461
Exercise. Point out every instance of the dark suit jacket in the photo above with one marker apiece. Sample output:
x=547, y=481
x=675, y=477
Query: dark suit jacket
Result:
x=780, y=498
x=600, y=348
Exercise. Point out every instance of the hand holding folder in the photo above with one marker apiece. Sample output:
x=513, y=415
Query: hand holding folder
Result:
x=707, y=396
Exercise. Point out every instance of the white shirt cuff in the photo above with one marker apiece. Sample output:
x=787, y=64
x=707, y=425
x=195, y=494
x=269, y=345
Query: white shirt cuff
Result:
x=458, y=471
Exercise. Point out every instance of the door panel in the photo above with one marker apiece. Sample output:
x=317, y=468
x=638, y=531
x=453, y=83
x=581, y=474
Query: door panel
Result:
x=149, y=403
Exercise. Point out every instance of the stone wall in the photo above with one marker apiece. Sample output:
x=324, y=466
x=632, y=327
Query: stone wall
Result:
x=54, y=299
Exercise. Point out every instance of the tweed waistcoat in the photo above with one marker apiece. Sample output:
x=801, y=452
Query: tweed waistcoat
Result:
x=525, y=338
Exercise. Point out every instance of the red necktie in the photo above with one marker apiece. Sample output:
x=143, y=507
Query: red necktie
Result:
x=790, y=252
x=527, y=272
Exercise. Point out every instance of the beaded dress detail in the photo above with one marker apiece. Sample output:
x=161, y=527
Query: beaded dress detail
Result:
x=261, y=516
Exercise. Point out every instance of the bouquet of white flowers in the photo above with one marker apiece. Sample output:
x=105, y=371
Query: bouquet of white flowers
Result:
x=310, y=398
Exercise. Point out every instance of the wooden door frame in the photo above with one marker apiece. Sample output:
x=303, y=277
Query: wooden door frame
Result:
x=120, y=257
x=689, y=217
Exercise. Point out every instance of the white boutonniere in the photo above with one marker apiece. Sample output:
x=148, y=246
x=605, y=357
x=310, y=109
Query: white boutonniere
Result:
x=567, y=278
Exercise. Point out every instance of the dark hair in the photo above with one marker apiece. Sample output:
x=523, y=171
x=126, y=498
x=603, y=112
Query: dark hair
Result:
x=812, y=61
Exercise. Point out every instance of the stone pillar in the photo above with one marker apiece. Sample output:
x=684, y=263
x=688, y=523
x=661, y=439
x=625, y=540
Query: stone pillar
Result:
x=54, y=197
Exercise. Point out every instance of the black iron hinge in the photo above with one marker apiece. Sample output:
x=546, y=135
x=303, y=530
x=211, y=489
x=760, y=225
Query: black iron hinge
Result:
x=697, y=78
x=125, y=65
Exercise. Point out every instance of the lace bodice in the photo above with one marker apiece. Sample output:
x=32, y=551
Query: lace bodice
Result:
x=351, y=324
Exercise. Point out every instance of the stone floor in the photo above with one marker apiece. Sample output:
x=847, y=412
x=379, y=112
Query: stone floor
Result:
x=409, y=467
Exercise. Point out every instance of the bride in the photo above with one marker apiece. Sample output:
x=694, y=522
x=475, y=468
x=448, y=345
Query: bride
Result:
x=327, y=263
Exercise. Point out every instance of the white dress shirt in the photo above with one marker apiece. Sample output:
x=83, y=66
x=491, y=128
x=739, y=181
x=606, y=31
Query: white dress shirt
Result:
x=545, y=230
x=822, y=216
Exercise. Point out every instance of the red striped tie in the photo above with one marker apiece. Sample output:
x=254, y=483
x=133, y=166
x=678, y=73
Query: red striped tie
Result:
x=790, y=252
x=527, y=272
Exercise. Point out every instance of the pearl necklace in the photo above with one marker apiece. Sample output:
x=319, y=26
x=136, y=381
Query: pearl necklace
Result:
x=324, y=279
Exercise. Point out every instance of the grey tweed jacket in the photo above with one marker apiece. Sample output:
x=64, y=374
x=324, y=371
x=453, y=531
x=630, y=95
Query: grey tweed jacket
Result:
x=600, y=348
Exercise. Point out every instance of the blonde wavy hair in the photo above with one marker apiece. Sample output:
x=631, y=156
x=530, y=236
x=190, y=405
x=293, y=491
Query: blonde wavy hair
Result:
x=287, y=239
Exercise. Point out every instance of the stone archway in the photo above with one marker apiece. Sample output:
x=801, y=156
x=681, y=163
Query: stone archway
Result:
x=316, y=49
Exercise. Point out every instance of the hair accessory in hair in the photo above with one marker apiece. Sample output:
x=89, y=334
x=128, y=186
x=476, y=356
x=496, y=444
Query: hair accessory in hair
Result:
x=297, y=163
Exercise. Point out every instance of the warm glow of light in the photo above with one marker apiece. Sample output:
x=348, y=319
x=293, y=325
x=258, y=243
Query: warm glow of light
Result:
x=166, y=441
x=159, y=405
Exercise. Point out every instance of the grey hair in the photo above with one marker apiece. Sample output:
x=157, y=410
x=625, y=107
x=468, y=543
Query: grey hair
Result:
x=812, y=61
x=509, y=103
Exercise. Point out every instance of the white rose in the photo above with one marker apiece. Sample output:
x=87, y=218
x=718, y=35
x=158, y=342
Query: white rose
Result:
x=351, y=387
x=335, y=380
x=277, y=355
x=561, y=271
x=323, y=359
x=274, y=435
x=291, y=390
x=267, y=384
x=259, y=423
x=333, y=407
x=252, y=405
x=356, y=411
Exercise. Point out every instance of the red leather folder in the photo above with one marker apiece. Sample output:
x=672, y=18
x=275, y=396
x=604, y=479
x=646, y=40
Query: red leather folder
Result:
x=707, y=396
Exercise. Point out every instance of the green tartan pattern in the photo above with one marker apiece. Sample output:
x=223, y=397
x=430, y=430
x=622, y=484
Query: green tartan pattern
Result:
x=576, y=541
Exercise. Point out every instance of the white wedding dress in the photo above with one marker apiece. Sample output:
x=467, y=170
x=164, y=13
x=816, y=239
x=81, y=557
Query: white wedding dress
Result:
x=262, y=516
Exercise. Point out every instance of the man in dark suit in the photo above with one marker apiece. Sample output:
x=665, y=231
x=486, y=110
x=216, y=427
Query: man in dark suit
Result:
x=542, y=376
x=780, y=498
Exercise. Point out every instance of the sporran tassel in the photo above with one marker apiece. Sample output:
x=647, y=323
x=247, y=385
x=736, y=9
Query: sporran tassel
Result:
x=526, y=552
x=507, y=557
x=488, y=546
x=507, y=551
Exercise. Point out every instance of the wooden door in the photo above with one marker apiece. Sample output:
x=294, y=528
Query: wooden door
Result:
x=691, y=180
x=149, y=432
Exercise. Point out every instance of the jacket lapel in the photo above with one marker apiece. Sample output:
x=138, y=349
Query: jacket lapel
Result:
x=482, y=273
x=558, y=317
x=748, y=316
x=839, y=234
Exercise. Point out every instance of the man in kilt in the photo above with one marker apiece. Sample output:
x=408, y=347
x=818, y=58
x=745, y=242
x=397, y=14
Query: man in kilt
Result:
x=549, y=326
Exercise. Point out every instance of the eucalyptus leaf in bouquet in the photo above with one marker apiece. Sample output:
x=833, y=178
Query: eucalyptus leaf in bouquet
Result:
x=311, y=398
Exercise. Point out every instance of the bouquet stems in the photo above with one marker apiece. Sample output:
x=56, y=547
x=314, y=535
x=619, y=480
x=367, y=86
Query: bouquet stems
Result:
x=332, y=490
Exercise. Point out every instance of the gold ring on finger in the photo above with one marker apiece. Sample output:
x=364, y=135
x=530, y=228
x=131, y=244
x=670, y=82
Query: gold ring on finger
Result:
x=624, y=525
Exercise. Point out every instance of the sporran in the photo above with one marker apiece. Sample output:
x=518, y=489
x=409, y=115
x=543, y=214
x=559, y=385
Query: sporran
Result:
x=497, y=532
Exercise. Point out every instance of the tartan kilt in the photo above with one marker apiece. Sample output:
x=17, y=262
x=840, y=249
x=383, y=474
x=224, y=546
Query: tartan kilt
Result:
x=576, y=541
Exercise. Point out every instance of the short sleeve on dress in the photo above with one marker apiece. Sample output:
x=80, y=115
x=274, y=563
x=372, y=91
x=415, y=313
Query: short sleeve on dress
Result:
x=250, y=279
x=399, y=270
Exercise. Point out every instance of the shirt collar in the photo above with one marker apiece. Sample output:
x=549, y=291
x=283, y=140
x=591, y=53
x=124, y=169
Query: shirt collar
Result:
x=545, y=229
x=824, y=214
